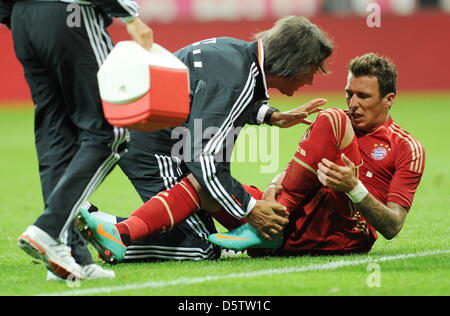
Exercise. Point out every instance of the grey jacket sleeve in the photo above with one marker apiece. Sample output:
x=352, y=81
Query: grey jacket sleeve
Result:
x=118, y=8
x=5, y=11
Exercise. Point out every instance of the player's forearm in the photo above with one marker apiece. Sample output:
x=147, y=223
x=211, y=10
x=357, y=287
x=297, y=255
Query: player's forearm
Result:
x=384, y=219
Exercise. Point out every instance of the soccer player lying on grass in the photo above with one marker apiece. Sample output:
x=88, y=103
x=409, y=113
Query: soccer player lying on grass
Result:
x=230, y=80
x=353, y=174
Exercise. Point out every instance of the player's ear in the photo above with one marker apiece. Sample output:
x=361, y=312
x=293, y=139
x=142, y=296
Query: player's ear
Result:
x=389, y=100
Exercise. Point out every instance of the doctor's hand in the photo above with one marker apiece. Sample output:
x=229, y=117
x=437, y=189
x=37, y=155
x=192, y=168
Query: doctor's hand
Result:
x=298, y=115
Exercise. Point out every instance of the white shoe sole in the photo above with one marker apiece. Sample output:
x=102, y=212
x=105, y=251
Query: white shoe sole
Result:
x=90, y=273
x=95, y=272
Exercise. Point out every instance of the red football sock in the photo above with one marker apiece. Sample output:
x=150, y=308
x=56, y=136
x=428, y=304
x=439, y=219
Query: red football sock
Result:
x=322, y=141
x=162, y=212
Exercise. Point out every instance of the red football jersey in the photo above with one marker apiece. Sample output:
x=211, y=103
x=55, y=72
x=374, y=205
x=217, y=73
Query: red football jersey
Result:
x=393, y=164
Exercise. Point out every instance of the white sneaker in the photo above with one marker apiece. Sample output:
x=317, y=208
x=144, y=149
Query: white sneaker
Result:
x=52, y=277
x=93, y=272
x=90, y=272
x=55, y=255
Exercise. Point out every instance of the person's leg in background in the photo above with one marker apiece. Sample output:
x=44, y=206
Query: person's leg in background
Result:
x=60, y=65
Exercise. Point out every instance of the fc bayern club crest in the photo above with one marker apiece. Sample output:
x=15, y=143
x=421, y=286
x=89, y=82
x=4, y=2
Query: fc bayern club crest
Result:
x=380, y=152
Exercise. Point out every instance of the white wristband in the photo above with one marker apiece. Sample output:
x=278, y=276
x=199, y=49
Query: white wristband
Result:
x=262, y=114
x=358, y=194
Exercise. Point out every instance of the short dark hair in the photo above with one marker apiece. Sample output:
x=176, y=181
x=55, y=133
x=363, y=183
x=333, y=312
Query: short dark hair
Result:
x=375, y=65
x=294, y=45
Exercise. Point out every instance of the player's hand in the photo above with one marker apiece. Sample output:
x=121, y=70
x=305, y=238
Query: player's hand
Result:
x=272, y=192
x=141, y=33
x=338, y=178
x=268, y=218
x=298, y=115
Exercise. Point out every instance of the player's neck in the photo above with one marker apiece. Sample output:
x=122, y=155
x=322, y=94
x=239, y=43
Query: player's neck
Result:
x=376, y=127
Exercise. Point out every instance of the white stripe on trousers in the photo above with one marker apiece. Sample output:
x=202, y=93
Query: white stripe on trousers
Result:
x=95, y=25
x=168, y=250
x=214, y=145
x=171, y=256
x=162, y=172
x=94, y=44
x=101, y=45
x=164, y=252
x=98, y=177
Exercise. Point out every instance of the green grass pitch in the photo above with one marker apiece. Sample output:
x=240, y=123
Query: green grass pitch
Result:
x=417, y=262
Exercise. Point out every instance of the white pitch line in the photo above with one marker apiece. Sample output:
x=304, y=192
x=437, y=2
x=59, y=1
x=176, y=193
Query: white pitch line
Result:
x=185, y=281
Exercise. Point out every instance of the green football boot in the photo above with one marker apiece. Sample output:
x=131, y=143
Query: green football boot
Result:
x=244, y=237
x=102, y=235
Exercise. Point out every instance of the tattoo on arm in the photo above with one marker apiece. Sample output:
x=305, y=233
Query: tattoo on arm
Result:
x=387, y=219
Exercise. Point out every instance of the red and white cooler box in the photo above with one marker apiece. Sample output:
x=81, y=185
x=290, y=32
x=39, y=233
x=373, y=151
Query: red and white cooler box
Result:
x=144, y=90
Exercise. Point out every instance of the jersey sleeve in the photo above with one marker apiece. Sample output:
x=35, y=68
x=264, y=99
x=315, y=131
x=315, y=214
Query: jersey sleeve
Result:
x=118, y=8
x=5, y=12
x=410, y=166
